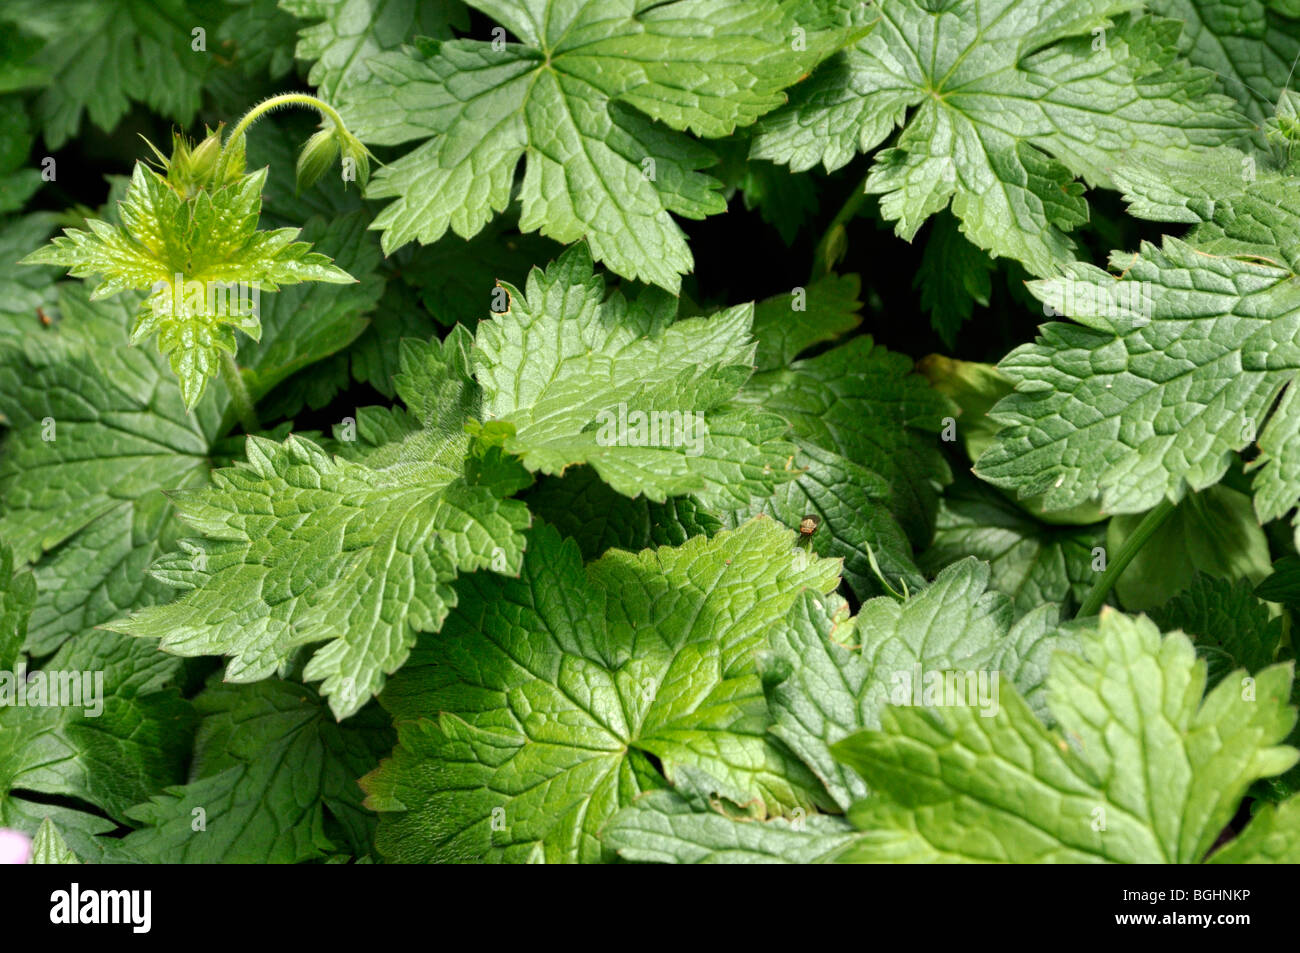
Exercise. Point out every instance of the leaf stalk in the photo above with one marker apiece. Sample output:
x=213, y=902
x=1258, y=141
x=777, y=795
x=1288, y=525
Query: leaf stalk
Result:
x=1154, y=519
x=833, y=243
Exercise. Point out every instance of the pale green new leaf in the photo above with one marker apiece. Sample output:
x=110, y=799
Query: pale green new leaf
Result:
x=201, y=260
x=1145, y=768
x=1271, y=837
x=49, y=847
x=618, y=384
x=99, y=433
x=579, y=96
x=302, y=547
x=1010, y=101
x=535, y=714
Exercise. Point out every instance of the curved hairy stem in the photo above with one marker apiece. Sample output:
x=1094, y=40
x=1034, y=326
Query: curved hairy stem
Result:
x=268, y=105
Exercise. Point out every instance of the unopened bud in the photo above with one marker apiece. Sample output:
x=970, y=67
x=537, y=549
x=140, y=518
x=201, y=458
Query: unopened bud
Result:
x=203, y=158
x=354, y=151
x=317, y=155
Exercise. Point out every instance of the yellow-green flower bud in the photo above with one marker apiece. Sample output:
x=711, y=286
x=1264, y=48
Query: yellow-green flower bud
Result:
x=203, y=158
x=317, y=156
x=356, y=157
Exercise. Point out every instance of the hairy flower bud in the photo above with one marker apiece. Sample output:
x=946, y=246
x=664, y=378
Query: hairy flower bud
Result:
x=356, y=154
x=317, y=155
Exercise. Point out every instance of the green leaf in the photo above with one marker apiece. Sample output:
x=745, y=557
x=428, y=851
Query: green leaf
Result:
x=1232, y=629
x=203, y=261
x=1239, y=205
x=974, y=390
x=787, y=325
x=667, y=827
x=854, y=505
x=1173, y=366
x=274, y=782
x=99, y=58
x=97, y=433
x=1012, y=101
x=598, y=518
x=18, y=180
x=784, y=199
x=301, y=547
x=619, y=385
x=855, y=524
x=108, y=726
x=306, y=323
x=535, y=714
x=829, y=675
x=262, y=36
x=1144, y=769
x=455, y=277
x=353, y=31
x=826, y=676
x=1271, y=837
x=17, y=596
x=80, y=830
x=1213, y=532
x=49, y=847
x=864, y=404
x=1031, y=562
x=1283, y=585
x=1249, y=46
x=24, y=290
x=594, y=97
x=954, y=276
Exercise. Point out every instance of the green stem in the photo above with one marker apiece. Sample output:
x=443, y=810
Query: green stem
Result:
x=266, y=106
x=831, y=245
x=1145, y=530
x=239, y=395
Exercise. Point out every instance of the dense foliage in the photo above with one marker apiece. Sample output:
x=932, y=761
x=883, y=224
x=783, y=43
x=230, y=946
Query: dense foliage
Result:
x=682, y=431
